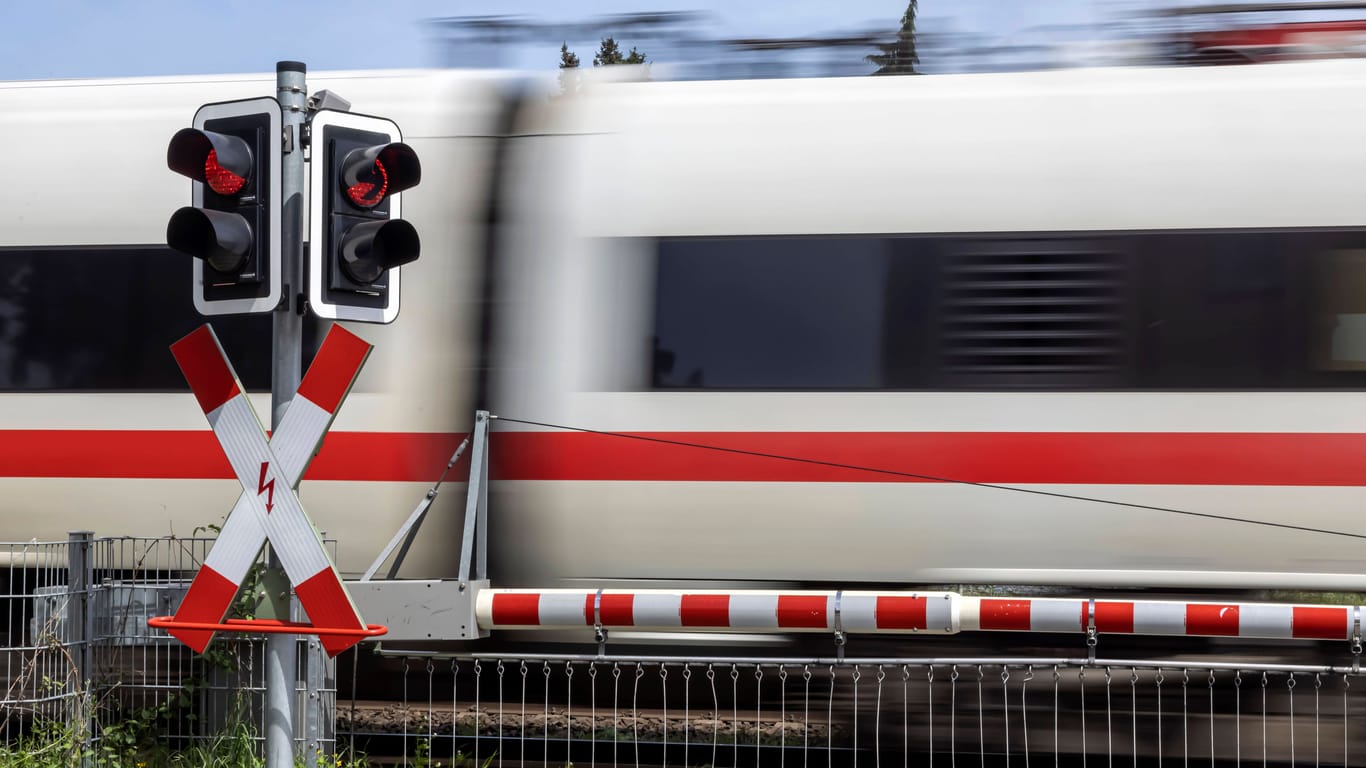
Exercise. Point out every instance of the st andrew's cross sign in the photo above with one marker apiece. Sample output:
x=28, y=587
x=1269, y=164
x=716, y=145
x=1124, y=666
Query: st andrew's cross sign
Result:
x=269, y=508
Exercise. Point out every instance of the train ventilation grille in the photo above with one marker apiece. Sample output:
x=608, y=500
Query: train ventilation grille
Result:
x=1031, y=309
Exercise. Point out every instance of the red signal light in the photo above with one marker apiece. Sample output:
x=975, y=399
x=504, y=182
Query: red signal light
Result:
x=220, y=179
x=370, y=187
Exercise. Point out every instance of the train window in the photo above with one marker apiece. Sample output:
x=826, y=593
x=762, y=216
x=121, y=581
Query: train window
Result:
x=1218, y=311
x=104, y=319
x=1160, y=310
x=763, y=313
x=1338, y=327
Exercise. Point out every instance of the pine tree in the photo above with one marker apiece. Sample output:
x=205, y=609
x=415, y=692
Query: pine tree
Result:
x=568, y=59
x=898, y=58
x=569, y=81
x=608, y=53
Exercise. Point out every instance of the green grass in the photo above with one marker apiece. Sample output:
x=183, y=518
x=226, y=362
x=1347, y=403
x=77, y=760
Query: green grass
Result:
x=57, y=745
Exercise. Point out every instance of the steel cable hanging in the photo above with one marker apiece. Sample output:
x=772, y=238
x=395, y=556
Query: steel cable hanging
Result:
x=931, y=478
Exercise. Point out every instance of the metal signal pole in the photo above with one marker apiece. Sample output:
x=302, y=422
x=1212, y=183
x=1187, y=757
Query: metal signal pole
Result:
x=285, y=373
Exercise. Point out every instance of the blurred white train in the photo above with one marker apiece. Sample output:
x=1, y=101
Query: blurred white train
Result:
x=829, y=316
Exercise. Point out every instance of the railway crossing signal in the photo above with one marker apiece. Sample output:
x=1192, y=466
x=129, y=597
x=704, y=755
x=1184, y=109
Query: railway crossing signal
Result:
x=357, y=243
x=233, y=227
x=269, y=472
x=245, y=231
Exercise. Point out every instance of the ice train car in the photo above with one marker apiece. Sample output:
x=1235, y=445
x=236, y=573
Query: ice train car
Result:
x=831, y=313
x=1078, y=328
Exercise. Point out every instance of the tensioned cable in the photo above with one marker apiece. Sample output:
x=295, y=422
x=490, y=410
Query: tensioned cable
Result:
x=931, y=478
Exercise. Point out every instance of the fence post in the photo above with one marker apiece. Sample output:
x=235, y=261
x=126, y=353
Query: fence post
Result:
x=79, y=623
x=315, y=730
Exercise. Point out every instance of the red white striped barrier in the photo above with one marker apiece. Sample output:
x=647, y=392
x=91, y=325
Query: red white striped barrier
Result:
x=269, y=473
x=1273, y=621
x=757, y=611
x=876, y=612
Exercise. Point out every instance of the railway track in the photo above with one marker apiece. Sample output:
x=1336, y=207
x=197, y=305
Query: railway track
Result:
x=561, y=734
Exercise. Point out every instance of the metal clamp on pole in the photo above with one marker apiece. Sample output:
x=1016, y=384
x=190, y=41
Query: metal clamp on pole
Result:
x=599, y=631
x=839, y=627
x=1356, y=639
x=1092, y=637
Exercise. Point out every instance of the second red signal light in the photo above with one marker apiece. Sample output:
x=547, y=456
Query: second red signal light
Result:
x=356, y=241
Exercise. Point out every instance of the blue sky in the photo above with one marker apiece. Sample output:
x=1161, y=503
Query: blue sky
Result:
x=111, y=38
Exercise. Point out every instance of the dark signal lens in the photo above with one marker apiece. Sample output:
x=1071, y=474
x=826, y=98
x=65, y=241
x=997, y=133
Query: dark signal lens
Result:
x=220, y=179
x=370, y=186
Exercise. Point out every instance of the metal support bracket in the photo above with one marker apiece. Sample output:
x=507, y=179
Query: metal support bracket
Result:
x=1356, y=639
x=408, y=531
x=1092, y=636
x=839, y=627
x=421, y=610
x=474, y=542
x=599, y=631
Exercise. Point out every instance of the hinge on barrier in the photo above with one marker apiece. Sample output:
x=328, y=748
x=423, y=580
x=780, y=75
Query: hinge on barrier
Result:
x=1356, y=639
x=1092, y=637
x=599, y=631
x=839, y=627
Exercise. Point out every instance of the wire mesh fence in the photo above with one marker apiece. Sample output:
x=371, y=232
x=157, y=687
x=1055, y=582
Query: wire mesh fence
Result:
x=42, y=678
x=77, y=650
x=78, y=653
x=876, y=712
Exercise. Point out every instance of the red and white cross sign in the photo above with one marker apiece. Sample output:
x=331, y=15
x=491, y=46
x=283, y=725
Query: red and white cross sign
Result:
x=269, y=472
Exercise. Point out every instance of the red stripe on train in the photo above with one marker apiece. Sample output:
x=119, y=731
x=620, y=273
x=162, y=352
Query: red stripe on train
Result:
x=1148, y=458
x=196, y=455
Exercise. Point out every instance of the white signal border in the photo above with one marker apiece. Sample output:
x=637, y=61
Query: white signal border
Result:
x=273, y=186
x=317, y=190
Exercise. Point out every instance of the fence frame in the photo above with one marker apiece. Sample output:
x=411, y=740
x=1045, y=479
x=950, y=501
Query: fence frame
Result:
x=76, y=614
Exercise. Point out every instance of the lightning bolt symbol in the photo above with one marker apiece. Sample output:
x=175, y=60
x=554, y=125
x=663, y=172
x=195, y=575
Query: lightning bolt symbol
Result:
x=266, y=488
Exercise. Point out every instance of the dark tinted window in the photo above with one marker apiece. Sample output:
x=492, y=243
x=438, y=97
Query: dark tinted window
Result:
x=104, y=319
x=1189, y=310
x=734, y=316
